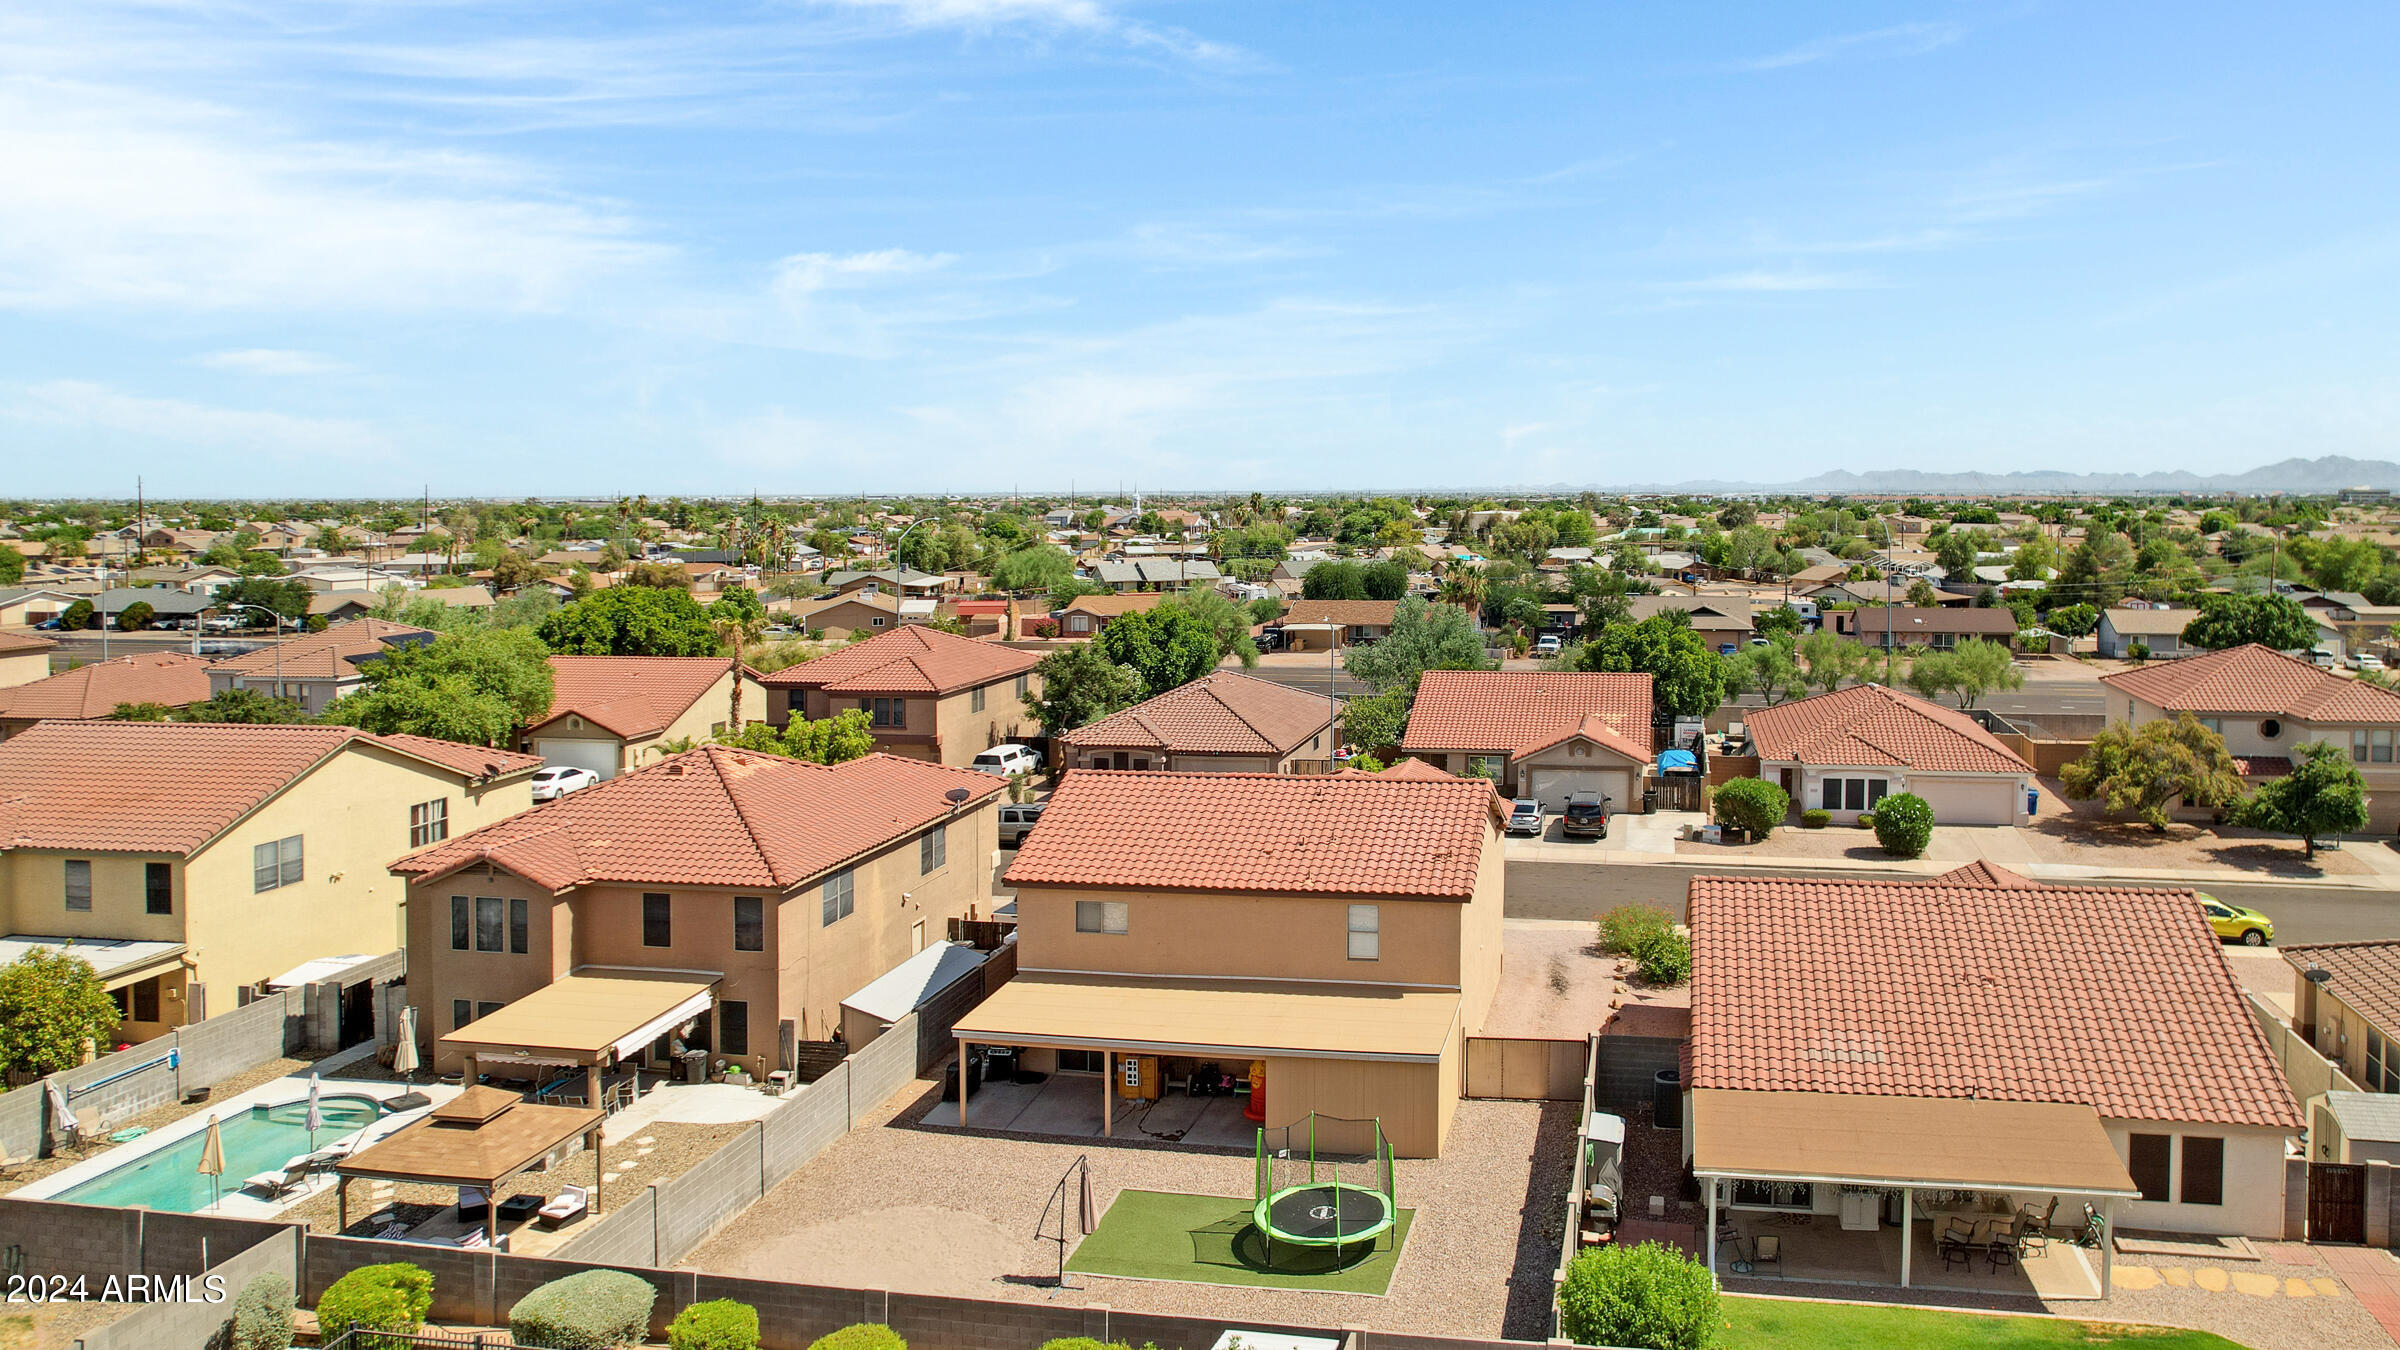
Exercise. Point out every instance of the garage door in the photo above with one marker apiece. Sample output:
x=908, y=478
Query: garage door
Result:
x=598, y=756
x=1961, y=801
x=1554, y=786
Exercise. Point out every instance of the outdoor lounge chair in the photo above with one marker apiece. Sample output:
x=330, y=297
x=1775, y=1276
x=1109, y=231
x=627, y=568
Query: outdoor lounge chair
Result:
x=572, y=1204
x=473, y=1240
x=276, y=1185
x=473, y=1204
x=2008, y=1242
x=1956, y=1244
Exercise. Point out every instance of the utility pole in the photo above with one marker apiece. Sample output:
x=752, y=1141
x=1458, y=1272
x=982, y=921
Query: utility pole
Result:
x=1887, y=601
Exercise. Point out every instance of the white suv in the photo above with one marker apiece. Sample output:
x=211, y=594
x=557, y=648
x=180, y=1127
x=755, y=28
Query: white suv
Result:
x=1003, y=761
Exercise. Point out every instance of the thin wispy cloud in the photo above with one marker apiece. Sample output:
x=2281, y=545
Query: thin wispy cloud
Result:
x=1089, y=17
x=89, y=407
x=271, y=361
x=1766, y=282
x=1907, y=39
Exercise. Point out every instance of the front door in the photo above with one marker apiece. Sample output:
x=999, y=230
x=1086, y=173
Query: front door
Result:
x=2337, y=1202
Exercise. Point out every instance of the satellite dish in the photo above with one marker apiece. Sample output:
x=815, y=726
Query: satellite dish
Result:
x=957, y=797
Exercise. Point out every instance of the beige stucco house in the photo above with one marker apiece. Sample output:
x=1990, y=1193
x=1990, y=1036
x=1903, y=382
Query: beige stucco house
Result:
x=1844, y=751
x=1223, y=722
x=316, y=668
x=1539, y=734
x=928, y=694
x=24, y=658
x=611, y=714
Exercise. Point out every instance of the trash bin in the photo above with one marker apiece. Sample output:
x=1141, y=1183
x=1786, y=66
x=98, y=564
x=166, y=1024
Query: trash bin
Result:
x=2033, y=800
x=695, y=1066
x=1666, y=1100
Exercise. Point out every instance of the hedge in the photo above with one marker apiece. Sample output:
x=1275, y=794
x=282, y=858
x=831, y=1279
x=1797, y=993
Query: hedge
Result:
x=589, y=1310
x=1649, y=1295
x=1904, y=824
x=389, y=1297
x=1815, y=818
x=719, y=1324
x=1753, y=804
x=860, y=1336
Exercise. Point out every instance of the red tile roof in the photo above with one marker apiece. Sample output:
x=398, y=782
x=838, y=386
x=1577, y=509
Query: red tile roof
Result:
x=1511, y=710
x=1869, y=724
x=2366, y=975
x=1221, y=713
x=631, y=696
x=20, y=644
x=1593, y=728
x=2255, y=680
x=1983, y=873
x=324, y=656
x=2117, y=998
x=1417, y=768
x=1354, y=613
x=911, y=660
x=1330, y=834
x=2262, y=766
x=170, y=678
x=170, y=787
x=715, y=816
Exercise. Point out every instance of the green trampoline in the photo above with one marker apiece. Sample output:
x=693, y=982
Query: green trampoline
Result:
x=1325, y=1182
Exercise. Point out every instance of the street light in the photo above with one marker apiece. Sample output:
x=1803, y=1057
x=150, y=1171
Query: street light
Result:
x=277, y=616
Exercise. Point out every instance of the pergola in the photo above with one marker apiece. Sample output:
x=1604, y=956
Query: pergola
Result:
x=1906, y=1144
x=584, y=1020
x=480, y=1138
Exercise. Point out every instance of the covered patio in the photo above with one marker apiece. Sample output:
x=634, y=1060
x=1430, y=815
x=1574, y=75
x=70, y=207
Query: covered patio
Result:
x=591, y=1020
x=477, y=1141
x=1945, y=1192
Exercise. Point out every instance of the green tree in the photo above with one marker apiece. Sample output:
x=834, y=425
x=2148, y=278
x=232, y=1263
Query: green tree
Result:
x=1425, y=636
x=1970, y=670
x=1832, y=660
x=1036, y=568
x=474, y=687
x=513, y=572
x=1384, y=580
x=1266, y=609
x=1647, y=1294
x=1226, y=621
x=2142, y=772
x=245, y=706
x=2099, y=568
x=2275, y=621
x=1066, y=592
x=846, y=735
x=76, y=617
x=137, y=616
x=631, y=621
x=2073, y=620
x=2032, y=560
x=1080, y=686
x=51, y=1002
x=1751, y=804
x=1165, y=647
x=1772, y=672
x=1958, y=550
x=1922, y=594
x=284, y=596
x=12, y=566
x=1334, y=580
x=1376, y=721
x=2323, y=795
x=1688, y=679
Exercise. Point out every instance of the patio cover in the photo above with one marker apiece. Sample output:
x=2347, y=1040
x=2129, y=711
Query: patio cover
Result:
x=480, y=1138
x=117, y=961
x=1234, y=1018
x=1856, y=1139
x=580, y=1019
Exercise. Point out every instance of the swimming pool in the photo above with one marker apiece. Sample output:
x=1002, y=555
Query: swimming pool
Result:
x=256, y=1140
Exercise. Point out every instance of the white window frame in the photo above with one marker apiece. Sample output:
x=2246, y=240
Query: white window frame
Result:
x=278, y=863
x=1366, y=932
x=429, y=822
x=840, y=897
x=1111, y=918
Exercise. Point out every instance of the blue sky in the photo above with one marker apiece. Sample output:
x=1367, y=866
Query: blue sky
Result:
x=352, y=246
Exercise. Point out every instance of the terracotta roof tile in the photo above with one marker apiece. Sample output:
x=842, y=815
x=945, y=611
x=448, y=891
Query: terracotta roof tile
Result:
x=20, y=644
x=1511, y=710
x=1371, y=613
x=330, y=655
x=1983, y=873
x=1330, y=834
x=2366, y=975
x=170, y=678
x=2117, y=998
x=1869, y=724
x=715, y=816
x=630, y=695
x=911, y=660
x=1223, y=712
x=2255, y=680
x=1593, y=728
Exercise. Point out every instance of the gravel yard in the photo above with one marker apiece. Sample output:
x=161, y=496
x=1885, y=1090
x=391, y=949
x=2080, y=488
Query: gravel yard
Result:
x=2082, y=832
x=1556, y=983
x=894, y=1206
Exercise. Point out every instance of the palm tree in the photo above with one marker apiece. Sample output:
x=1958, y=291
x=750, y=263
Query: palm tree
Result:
x=737, y=633
x=1463, y=586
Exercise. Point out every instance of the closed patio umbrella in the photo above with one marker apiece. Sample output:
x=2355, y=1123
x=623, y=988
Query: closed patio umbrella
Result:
x=316, y=1112
x=62, y=1116
x=1086, y=1211
x=404, y=1054
x=212, y=1162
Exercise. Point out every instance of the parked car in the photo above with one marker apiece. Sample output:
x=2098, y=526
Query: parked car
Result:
x=1550, y=645
x=1587, y=815
x=47, y=625
x=1525, y=816
x=1004, y=761
x=2236, y=924
x=1270, y=639
x=557, y=780
x=2366, y=661
x=2321, y=657
x=1017, y=821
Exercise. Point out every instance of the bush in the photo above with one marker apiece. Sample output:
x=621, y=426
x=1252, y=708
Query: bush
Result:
x=1649, y=1295
x=1815, y=818
x=1626, y=928
x=136, y=616
x=390, y=1297
x=262, y=1314
x=2138, y=652
x=877, y=1336
x=1752, y=804
x=1665, y=958
x=720, y=1324
x=1086, y=1343
x=78, y=616
x=1866, y=820
x=591, y=1310
x=1904, y=825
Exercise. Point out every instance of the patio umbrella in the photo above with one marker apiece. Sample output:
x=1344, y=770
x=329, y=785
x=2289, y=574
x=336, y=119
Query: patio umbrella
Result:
x=316, y=1113
x=212, y=1162
x=404, y=1054
x=1087, y=1212
x=62, y=1116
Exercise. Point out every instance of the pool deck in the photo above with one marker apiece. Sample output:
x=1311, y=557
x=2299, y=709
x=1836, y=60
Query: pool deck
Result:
x=238, y=1203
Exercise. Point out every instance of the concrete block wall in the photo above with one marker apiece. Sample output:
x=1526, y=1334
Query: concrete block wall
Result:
x=801, y=1127
x=98, y=1241
x=1629, y=1067
x=206, y=1318
x=22, y=1115
x=102, y=1109
x=707, y=1197
x=627, y=1233
x=883, y=1068
x=2380, y=1200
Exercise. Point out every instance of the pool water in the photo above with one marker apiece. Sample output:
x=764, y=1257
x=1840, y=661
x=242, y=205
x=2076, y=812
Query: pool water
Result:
x=260, y=1139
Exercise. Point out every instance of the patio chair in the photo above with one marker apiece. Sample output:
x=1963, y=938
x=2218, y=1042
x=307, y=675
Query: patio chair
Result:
x=473, y=1240
x=276, y=1185
x=2007, y=1243
x=1956, y=1243
x=572, y=1204
x=473, y=1204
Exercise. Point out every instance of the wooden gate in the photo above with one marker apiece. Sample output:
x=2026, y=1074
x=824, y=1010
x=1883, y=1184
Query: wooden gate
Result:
x=1676, y=793
x=1525, y=1070
x=2337, y=1202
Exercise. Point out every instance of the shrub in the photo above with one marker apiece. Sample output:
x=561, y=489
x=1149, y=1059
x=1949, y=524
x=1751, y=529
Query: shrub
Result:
x=1815, y=818
x=1753, y=804
x=1904, y=825
x=1648, y=1295
x=589, y=1310
x=720, y=1324
x=2138, y=652
x=1665, y=957
x=390, y=1297
x=1624, y=929
x=262, y=1314
x=1866, y=820
x=77, y=616
x=136, y=616
x=1085, y=1343
x=877, y=1336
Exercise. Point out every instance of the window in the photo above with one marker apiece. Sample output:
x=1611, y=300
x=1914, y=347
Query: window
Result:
x=885, y=712
x=483, y=1009
x=2383, y=746
x=429, y=822
x=933, y=849
x=2150, y=1163
x=2215, y=724
x=1366, y=933
x=516, y=928
x=749, y=923
x=1751, y=1194
x=2383, y=1067
x=2270, y=729
x=462, y=923
x=2358, y=744
x=1021, y=686
x=1855, y=794
x=839, y=897
x=733, y=1027
x=2203, y=1171
x=491, y=924
x=1079, y=1061
x=276, y=864
x=145, y=1000
x=658, y=924
x=158, y=888
x=461, y=1013
x=79, y=883
x=1100, y=916
x=975, y=701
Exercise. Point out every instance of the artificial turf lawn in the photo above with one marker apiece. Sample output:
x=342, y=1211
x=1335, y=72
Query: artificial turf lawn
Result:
x=1760, y=1322
x=1209, y=1239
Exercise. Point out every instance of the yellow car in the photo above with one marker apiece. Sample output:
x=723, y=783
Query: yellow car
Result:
x=2236, y=924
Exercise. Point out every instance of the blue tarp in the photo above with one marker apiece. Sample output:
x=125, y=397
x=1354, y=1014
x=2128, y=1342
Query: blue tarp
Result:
x=1671, y=760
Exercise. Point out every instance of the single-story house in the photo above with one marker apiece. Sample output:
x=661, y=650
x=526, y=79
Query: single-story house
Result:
x=1223, y=722
x=1936, y=627
x=1086, y=615
x=611, y=714
x=1845, y=751
x=94, y=689
x=1539, y=734
x=1315, y=625
x=317, y=668
x=2160, y=631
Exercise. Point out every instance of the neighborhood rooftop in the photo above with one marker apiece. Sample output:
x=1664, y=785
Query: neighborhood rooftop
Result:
x=1223, y=712
x=911, y=660
x=1870, y=724
x=1518, y=710
x=630, y=695
x=2255, y=679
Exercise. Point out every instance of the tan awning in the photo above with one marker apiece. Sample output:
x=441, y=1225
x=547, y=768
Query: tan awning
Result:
x=1217, y=1017
x=578, y=1019
x=1892, y=1141
x=480, y=1138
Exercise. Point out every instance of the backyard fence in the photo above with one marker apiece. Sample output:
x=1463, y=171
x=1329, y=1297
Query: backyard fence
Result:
x=1525, y=1069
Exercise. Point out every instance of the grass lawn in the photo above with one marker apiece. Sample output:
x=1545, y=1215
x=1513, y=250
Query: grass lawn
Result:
x=1209, y=1239
x=1847, y=1326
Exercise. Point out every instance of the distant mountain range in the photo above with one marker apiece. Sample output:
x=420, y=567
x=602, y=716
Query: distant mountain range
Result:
x=2307, y=477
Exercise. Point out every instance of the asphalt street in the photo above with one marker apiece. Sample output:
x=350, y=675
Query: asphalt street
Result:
x=1567, y=890
x=83, y=648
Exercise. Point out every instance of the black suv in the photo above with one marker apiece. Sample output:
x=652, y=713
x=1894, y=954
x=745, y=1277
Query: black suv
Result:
x=1587, y=814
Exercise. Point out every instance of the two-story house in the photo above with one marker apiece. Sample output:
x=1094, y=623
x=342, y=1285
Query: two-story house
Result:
x=191, y=860
x=928, y=694
x=744, y=894
x=1537, y=733
x=1337, y=936
x=2264, y=703
x=1223, y=722
x=95, y=690
x=316, y=668
x=610, y=714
